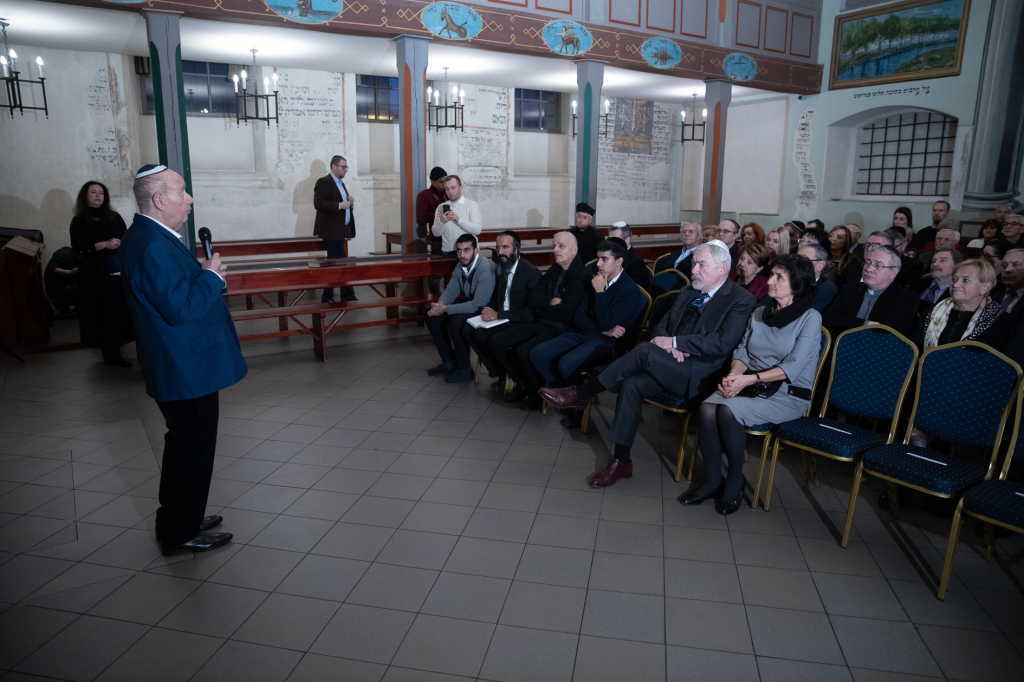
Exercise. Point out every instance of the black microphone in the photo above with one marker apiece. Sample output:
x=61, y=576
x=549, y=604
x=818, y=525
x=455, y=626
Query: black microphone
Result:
x=207, y=239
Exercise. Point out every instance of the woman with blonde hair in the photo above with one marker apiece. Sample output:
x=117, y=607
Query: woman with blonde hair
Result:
x=777, y=241
x=708, y=233
x=969, y=314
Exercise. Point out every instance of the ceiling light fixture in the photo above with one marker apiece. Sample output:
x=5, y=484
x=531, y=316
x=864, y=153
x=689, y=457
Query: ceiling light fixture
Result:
x=691, y=128
x=447, y=115
x=242, y=98
x=13, y=80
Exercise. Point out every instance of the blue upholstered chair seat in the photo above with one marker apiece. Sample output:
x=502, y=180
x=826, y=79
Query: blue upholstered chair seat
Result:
x=827, y=435
x=998, y=500
x=946, y=475
x=671, y=401
x=759, y=427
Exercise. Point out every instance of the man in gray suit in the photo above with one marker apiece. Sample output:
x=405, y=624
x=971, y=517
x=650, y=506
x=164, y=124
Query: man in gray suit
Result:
x=689, y=349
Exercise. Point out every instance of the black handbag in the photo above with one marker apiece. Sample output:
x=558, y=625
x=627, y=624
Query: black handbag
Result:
x=759, y=389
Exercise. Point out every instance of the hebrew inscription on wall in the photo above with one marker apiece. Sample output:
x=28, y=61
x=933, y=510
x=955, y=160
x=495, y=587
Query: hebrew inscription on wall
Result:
x=311, y=109
x=636, y=174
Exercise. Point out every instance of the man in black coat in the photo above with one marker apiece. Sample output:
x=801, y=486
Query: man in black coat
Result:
x=515, y=278
x=553, y=302
x=681, y=259
x=335, y=218
x=877, y=299
x=633, y=264
x=586, y=234
x=689, y=349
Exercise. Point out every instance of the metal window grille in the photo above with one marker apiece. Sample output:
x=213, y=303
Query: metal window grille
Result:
x=538, y=110
x=906, y=155
x=377, y=99
x=209, y=90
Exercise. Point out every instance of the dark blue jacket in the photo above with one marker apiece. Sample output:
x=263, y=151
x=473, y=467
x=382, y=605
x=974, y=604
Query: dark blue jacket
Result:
x=618, y=306
x=187, y=342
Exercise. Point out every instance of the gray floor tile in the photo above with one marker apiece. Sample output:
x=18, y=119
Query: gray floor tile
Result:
x=248, y=470
x=23, y=575
x=499, y=524
x=883, y=645
x=781, y=670
x=354, y=541
x=614, y=660
x=246, y=662
x=485, y=557
x=23, y=629
x=707, y=625
x=572, y=503
x=257, y=568
x=797, y=635
x=84, y=649
x=827, y=556
x=544, y=607
x=958, y=610
x=433, y=445
x=635, y=617
x=272, y=499
x=393, y=587
x=364, y=633
x=779, y=587
x=146, y=598
x=469, y=469
x=770, y=551
x=702, y=580
x=275, y=450
x=400, y=486
x=315, y=668
x=523, y=655
x=482, y=449
x=470, y=597
x=293, y=533
x=322, y=504
x=378, y=511
x=320, y=455
x=699, y=544
x=445, y=645
x=418, y=465
x=452, y=491
x=555, y=566
x=563, y=531
x=774, y=522
x=862, y=675
x=431, y=517
x=216, y=610
x=296, y=475
x=522, y=498
x=851, y=595
x=350, y=481
x=519, y=473
x=323, y=577
x=632, y=509
x=628, y=573
x=176, y=655
x=702, y=665
x=630, y=538
x=419, y=550
x=287, y=621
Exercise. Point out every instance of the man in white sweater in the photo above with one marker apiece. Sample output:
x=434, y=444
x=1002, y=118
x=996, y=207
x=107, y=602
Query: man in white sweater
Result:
x=462, y=216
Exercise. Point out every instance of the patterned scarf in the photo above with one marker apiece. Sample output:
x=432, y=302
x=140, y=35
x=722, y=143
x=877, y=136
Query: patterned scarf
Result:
x=982, y=319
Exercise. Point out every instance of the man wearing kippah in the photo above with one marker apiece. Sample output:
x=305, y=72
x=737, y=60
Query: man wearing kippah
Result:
x=427, y=202
x=587, y=236
x=188, y=349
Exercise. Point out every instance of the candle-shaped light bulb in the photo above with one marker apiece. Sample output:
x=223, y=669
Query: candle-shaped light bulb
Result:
x=606, y=105
x=437, y=98
x=574, y=107
x=39, y=66
x=3, y=63
x=275, y=81
x=235, y=79
x=244, y=76
x=455, y=91
x=430, y=94
x=266, y=85
x=13, y=57
x=705, y=114
x=683, y=113
x=462, y=96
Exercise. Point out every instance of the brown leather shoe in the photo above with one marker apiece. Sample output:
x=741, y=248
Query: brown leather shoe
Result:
x=610, y=474
x=564, y=398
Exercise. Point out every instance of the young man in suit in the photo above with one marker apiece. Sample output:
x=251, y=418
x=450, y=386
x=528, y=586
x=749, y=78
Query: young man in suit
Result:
x=188, y=349
x=335, y=218
x=686, y=356
x=515, y=278
x=472, y=280
x=681, y=259
x=877, y=299
x=633, y=263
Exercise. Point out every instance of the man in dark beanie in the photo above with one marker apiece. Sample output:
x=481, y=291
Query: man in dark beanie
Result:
x=427, y=202
x=587, y=236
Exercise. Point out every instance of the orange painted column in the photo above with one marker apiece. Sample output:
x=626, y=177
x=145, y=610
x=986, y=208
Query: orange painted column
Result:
x=717, y=96
x=412, y=121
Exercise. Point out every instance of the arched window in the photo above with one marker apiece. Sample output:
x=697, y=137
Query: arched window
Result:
x=907, y=153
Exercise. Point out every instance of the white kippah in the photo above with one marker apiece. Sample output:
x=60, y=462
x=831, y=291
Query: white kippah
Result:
x=149, y=169
x=618, y=225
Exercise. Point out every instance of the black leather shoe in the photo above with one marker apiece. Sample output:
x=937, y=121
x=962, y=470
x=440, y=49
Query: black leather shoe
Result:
x=516, y=395
x=114, y=358
x=442, y=369
x=725, y=507
x=693, y=499
x=203, y=542
x=530, y=403
x=210, y=522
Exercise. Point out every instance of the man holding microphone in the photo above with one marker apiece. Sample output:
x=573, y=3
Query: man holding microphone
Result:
x=188, y=349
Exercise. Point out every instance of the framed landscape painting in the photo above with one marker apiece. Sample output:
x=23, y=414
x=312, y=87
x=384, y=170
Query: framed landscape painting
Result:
x=899, y=42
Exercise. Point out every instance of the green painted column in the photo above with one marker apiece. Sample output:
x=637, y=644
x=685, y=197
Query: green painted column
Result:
x=169, y=99
x=589, y=78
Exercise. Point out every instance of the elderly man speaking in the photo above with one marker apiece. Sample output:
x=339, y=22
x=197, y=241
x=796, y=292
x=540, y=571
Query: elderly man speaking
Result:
x=188, y=349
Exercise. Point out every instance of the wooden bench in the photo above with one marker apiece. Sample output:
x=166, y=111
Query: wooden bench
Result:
x=539, y=234
x=319, y=329
x=264, y=247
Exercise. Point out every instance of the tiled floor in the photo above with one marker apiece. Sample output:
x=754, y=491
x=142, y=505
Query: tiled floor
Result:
x=389, y=526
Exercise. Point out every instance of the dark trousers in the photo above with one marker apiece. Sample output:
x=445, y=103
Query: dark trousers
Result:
x=189, y=447
x=446, y=330
x=575, y=353
x=511, y=348
x=480, y=339
x=643, y=372
x=338, y=250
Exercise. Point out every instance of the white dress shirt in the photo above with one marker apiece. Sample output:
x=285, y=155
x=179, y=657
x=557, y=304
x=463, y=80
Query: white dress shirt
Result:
x=508, y=286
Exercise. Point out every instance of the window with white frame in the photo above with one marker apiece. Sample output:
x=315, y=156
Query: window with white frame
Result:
x=906, y=154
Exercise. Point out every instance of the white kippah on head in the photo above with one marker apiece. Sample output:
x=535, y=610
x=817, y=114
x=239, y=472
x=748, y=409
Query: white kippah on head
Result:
x=149, y=169
x=619, y=224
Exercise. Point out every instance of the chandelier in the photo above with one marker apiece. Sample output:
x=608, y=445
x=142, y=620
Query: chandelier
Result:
x=602, y=125
x=691, y=128
x=13, y=80
x=243, y=98
x=447, y=115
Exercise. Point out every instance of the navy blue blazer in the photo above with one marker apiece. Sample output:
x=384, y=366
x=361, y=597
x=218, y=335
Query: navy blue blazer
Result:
x=187, y=343
x=616, y=307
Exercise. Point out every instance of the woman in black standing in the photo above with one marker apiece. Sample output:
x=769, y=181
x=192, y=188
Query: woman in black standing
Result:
x=96, y=231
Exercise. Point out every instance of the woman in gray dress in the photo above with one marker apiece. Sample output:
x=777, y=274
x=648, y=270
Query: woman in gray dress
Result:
x=778, y=351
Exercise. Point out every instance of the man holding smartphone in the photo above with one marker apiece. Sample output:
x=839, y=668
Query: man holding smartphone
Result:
x=455, y=217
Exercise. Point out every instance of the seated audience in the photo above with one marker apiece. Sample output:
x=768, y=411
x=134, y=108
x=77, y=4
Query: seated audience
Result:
x=707, y=233
x=515, y=278
x=753, y=259
x=903, y=217
x=728, y=234
x=816, y=224
x=1009, y=301
x=911, y=270
x=940, y=212
x=610, y=306
x=473, y=280
x=752, y=233
x=553, y=301
x=769, y=382
x=681, y=259
x=839, y=245
x=947, y=237
x=876, y=299
x=777, y=241
x=856, y=248
x=1012, y=230
x=969, y=313
x=587, y=235
x=814, y=235
x=796, y=230
x=990, y=229
x=1003, y=210
x=936, y=289
x=824, y=289
x=994, y=252
x=686, y=355
x=633, y=263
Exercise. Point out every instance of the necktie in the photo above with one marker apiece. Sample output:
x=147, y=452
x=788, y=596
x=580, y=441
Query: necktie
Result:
x=699, y=302
x=932, y=292
x=1009, y=299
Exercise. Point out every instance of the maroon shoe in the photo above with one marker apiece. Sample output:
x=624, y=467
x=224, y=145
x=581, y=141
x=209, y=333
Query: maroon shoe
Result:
x=564, y=398
x=610, y=474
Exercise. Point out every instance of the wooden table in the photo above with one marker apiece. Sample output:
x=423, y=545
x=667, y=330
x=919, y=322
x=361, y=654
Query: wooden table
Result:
x=264, y=247
x=539, y=234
